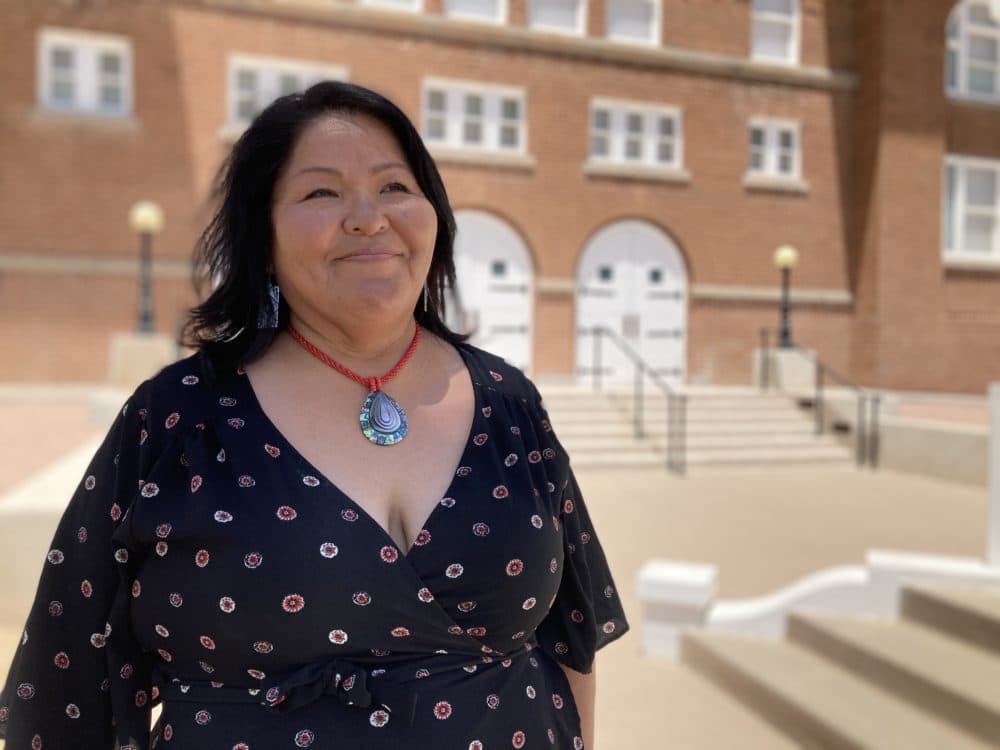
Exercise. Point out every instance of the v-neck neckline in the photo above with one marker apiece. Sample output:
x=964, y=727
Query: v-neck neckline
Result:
x=297, y=455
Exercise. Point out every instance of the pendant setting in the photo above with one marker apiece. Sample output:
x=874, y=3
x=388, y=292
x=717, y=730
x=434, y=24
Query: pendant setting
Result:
x=383, y=421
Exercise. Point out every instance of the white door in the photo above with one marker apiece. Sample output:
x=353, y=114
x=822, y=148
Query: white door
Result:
x=494, y=298
x=632, y=280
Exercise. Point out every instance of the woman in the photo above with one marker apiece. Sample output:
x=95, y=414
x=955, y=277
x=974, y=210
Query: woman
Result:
x=337, y=525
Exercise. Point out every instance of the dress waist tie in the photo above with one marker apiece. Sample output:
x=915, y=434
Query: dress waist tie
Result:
x=342, y=679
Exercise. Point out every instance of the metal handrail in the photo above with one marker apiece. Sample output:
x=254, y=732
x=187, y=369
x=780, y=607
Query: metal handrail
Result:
x=676, y=402
x=867, y=442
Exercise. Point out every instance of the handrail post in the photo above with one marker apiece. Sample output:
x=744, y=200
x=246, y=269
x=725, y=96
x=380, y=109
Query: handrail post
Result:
x=682, y=421
x=670, y=430
x=765, y=360
x=637, y=400
x=873, y=440
x=861, y=431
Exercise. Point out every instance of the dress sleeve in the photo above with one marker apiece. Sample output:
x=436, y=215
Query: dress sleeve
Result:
x=586, y=614
x=72, y=682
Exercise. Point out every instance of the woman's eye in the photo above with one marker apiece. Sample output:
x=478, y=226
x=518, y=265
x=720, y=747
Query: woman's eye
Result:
x=398, y=185
x=320, y=191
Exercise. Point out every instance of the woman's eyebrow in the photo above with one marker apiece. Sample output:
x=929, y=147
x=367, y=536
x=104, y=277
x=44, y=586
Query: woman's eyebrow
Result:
x=334, y=171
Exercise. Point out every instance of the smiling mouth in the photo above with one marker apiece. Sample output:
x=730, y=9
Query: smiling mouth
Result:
x=371, y=253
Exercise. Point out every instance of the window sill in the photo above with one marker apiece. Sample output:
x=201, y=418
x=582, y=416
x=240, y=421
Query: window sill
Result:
x=965, y=263
x=504, y=160
x=89, y=121
x=674, y=175
x=969, y=100
x=776, y=184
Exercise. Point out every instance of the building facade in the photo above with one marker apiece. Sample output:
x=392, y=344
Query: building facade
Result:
x=630, y=163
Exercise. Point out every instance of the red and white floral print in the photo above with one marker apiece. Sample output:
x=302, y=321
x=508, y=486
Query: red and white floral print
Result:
x=578, y=743
x=175, y=599
x=310, y=481
x=196, y=482
x=272, y=450
x=328, y=549
x=400, y=632
x=557, y=700
x=227, y=604
x=518, y=739
x=172, y=420
x=161, y=548
x=480, y=529
x=425, y=595
x=304, y=738
x=293, y=603
x=207, y=641
x=389, y=554
x=61, y=660
x=500, y=492
x=515, y=567
x=349, y=515
x=529, y=603
x=263, y=647
x=338, y=637
x=86, y=588
x=90, y=482
x=161, y=630
x=362, y=598
x=423, y=536
x=223, y=516
x=378, y=718
x=493, y=701
x=447, y=502
x=442, y=710
x=150, y=489
x=454, y=570
x=201, y=558
x=253, y=559
x=286, y=513
x=56, y=556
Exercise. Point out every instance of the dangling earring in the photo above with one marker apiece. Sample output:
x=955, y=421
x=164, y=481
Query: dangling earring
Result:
x=268, y=317
x=425, y=296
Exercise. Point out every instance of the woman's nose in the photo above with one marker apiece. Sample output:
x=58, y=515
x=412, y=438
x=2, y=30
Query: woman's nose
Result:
x=364, y=216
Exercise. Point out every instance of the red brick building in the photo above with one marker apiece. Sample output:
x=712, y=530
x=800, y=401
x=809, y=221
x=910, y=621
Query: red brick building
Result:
x=632, y=162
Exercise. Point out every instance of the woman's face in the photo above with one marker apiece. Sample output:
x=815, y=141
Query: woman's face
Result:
x=353, y=233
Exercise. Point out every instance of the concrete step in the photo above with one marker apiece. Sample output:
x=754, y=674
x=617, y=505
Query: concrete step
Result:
x=971, y=613
x=611, y=414
x=815, y=702
x=612, y=442
x=789, y=454
x=958, y=682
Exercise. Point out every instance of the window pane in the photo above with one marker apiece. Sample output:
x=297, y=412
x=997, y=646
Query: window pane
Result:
x=435, y=128
x=633, y=149
x=980, y=187
x=772, y=40
x=602, y=119
x=979, y=234
x=62, y=57
x=982, y=48
x=633, y=122
x=62, y=91
x=477, y=8
x=785, y=163
x=774, y=6
x=630, y=19
x=511, y=109
x=979, y=14
x=111, y=96
x=665, y=152
x=111, y=63
x=508, y=135
x=599, y=145
x=472, y=132
x=558, y=13
x=435, y=100
x=666, y=126
x=756, y=161
x=951, y=69
x=756, y=136
x=246, y=109
x=949, y=208
x=288, y=83
x=786, y=138
x=982, y=80
x=246, y=80
x=473, y=104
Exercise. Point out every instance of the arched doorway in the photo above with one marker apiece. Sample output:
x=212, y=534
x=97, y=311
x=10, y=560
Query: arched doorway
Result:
x=632, y=279
x=494, y=299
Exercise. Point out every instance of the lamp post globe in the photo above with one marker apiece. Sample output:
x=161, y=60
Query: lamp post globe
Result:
x=145, y=218
x=785, y=258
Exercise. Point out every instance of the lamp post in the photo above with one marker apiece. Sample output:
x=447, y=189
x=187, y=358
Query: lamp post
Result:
x=785, y=258
x=146, y=219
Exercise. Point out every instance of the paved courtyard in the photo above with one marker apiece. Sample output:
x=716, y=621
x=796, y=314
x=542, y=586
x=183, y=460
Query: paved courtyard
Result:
x=763, y=527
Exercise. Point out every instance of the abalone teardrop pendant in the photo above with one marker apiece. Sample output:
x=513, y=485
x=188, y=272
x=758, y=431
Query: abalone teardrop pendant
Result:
x=383, y=421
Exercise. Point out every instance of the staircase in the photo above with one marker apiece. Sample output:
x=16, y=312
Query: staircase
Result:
x=928, y=680
x=726, y=426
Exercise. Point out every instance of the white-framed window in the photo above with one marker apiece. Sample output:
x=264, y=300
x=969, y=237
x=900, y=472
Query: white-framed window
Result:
x=972, y=52
x=775, y=149
x=774, y=31
x=84, y=72
x=635, y=21
x=563, y=16
x=487, y=11
x=624, y=132
x=474, y=116
x=971, y=208
x=413, y=6
x=255, y=82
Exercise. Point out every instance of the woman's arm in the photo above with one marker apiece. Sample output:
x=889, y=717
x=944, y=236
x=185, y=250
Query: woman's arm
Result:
x=584, y=688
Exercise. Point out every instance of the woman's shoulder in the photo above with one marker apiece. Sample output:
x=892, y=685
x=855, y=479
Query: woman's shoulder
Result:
x=189, y=387
x=494, y=372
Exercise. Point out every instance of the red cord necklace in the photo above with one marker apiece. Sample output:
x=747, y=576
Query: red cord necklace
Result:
x=383, y=421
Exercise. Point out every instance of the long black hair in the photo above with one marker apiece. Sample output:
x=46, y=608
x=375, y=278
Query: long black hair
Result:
x=236, y=248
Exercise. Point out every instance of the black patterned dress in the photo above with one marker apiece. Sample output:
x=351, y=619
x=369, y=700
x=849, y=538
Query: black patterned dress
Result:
x=205, y=564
